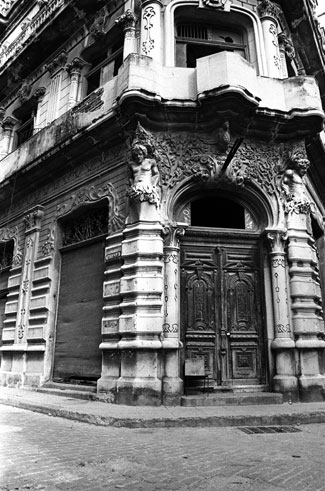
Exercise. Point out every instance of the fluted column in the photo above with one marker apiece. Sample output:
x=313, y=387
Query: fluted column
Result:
x=151, y=29
x=172, y=383
x=74, y=69
x=8, y=125
x=127, y=22
x=283, y=344
x=268, y=14
x=38, y=97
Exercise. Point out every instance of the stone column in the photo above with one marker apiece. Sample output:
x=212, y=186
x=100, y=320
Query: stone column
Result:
x=286, y=51
x=306, y=303
x=38, y=97
x=268, y=13
x=151, y=29
x=7, y=139
x=127, y=22
x=140, y=323
x=74, y=69
x=172, y=383
x=283, y=344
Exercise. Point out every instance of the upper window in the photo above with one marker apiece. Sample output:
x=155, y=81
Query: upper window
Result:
x=104, y=66
x=196, y=40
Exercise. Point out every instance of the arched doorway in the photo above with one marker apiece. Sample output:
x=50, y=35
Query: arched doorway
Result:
x=222, y=300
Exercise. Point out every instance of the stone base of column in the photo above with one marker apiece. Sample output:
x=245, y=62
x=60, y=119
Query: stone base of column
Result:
x=311, y=388
x=287, y=385
x=140, y=391
x=106, y=385
x=172, y=390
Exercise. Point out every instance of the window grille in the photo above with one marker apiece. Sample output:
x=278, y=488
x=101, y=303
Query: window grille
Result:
x=193, y=31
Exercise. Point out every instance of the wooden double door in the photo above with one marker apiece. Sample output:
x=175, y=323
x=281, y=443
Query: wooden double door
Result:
x=222, y=306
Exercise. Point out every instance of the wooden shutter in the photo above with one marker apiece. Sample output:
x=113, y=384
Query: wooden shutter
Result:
x=78, y=334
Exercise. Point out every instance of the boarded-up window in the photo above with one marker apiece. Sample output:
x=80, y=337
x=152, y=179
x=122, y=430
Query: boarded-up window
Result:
x=78, y=335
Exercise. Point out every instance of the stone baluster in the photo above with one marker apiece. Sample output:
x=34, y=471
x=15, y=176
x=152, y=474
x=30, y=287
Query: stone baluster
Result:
x=151, y=42
x=127, y=22
x=172, y=384
x=74, y=69
x=268, y=13
x=8, y=125
x=283, y=344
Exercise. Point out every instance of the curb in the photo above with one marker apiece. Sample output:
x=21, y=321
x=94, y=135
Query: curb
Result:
x=189, y=422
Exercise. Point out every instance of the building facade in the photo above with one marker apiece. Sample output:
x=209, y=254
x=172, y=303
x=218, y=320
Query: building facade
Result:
x=162, y=184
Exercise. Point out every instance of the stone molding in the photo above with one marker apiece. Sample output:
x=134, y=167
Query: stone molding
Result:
x=14, y=49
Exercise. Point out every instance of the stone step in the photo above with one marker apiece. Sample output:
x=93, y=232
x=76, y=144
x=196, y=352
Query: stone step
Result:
x=234, y=399
x=75, y=391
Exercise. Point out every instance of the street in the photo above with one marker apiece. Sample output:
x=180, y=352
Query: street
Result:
x=40, y=452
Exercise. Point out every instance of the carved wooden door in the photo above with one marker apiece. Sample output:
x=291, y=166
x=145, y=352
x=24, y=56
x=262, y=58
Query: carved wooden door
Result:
x=221, y=307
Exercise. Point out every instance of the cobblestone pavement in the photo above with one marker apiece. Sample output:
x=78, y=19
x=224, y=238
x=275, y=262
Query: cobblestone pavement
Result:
x=39, y=452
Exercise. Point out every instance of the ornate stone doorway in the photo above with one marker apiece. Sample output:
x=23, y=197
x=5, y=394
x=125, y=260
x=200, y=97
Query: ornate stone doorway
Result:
x=222, y=305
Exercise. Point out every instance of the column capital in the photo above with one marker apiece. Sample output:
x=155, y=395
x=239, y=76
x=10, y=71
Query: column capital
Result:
x=268, y=9
x=32, y=219
x=75, y=66
x=145, y=3
x=277, y=239
x=8, y=123
x=127, y=21
x=172, y=234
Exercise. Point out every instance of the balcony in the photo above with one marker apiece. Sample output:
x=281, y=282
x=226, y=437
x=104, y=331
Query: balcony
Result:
x=223, y=84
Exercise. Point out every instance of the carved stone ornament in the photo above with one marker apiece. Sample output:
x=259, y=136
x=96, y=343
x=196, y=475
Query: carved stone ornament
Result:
x=92, y=194
x=24, y=92
x=32, y=220
x=49, y=244
x=5, y=6
x=143, y=169
x=8, y=123
x=293, y=186
x=2, y=114
x=127, y=20
x=266, y=8
x=75, y=65
x=97, y=28
x=218, y=4
x=90, y=103
x=277, y=239
x=184, y=156
x=172, y=234
x=286, y=43
x=57, y=63
x=7, y=234
x=149, y=43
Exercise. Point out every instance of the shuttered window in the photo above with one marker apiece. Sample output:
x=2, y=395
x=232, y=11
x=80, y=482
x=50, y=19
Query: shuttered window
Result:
x=78, y=334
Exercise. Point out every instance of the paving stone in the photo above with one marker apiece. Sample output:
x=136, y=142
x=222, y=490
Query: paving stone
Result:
x=42, y=453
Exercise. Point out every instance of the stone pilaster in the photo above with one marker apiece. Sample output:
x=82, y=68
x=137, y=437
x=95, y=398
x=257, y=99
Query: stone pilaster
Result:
x=111, y=313
x=308, y=323
x=172, y=383
x=151, y=44
x=127, y=22
x=38, y=97
x=268, y=12
x=140, y=324
x=283, y=344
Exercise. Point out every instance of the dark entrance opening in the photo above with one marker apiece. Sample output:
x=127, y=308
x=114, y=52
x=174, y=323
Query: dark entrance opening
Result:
x=217, y=212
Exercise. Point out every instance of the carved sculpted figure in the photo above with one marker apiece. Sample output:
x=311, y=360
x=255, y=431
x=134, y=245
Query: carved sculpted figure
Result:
x=293, y=185
x=144, y=175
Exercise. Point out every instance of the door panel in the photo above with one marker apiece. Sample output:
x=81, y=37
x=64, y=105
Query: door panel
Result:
x=221, y=310
x=77, y=353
